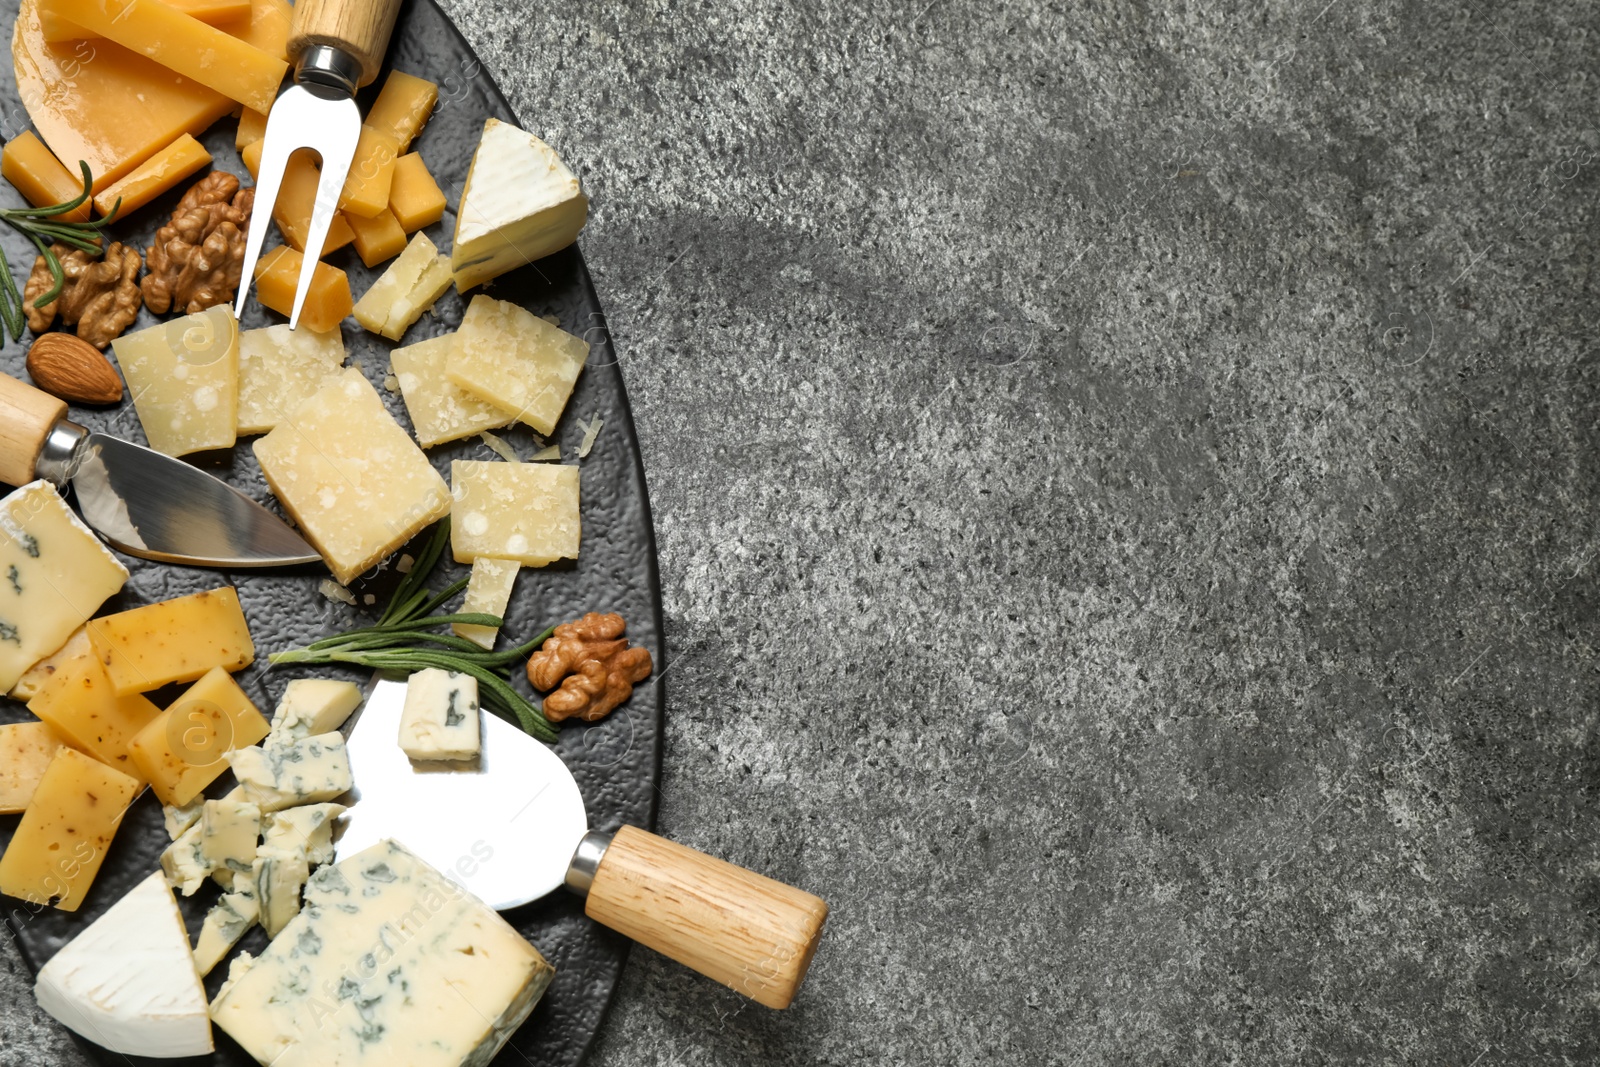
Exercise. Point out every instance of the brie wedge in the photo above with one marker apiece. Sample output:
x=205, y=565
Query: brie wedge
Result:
x=520, y=203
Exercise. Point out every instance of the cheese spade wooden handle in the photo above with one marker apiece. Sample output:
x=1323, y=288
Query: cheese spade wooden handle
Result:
x=750, y=933
x=26, y=418
x=360, y=28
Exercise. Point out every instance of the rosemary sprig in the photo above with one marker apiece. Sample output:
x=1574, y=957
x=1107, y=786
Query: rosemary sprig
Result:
x=406, y=638
x=43, y=226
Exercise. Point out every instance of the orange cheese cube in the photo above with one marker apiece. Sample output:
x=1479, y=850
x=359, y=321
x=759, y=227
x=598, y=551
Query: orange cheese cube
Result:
x=252, y=127
x=153, y=177
x=327, y=302
x=403, y=107
x=366, y=187
x=414, y=197
x=379, y=238
x=182, y=751
x=250, y=154
x=39, y=176
x=26, y=749
x=79, y=704
x=297, y=196
x=66, y=831
x=211, y=12
x=174, y=640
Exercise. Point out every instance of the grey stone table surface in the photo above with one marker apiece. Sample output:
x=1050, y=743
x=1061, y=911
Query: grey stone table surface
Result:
x=1126, y=485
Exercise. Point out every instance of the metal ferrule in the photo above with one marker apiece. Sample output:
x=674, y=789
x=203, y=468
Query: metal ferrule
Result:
x=59, y=457
x=323, y=64
x=586, y=861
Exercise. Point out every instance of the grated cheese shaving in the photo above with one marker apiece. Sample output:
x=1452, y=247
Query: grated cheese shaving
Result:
x=500, y=448
x=391, y=383
x=334, y=591
x=405, y=563
x=590, y=432
x=552, y=452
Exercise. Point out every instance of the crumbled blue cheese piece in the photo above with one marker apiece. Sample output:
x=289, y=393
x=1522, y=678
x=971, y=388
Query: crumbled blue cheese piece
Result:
x=440, y=718
x=228, y=920
x=279, y=877
x=284, y=773
x=228, y=832
x=185, y=863
x=178, y=819
x=307, y=829
x=313, y=706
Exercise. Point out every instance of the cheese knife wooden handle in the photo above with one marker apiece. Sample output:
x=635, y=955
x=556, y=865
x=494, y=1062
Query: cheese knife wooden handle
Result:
x=749, y=932
x=27, y=415
x=359, y=28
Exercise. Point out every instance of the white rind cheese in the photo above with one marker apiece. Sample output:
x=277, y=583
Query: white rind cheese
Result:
x=389, y=963
x=440, y=718
x=285, y=773
x=488, y=592
x=313, y=706
x=228, y=920
x=128, y=981
x=440, y=409
x=279, y=368
x=520, y=203
x=510, y=357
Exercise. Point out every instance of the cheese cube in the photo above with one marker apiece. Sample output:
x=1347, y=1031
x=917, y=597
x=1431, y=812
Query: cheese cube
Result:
x=54, y=574
x=440, y=718
x=520, y=203
x=440, y=409
x=279, y=368
x=34, y=677
x=403, y=106
x=522, y=511
x=307, y=829
x=252, y=124
x=442, y=948
x=174, y=640
x=366, y=185
x=379, y=238
x=313, y=706
x=26, y=749
x=515, y=360
x=279, y=877
x=156, y=175
x=182, y=751
x=297, y=197
x=184, y=861
x=177, y=818
x=356, y=483
x=284, y=774
x=40, y=177
x=228, y=832
x=80, y=704
x=66, y=831
x=488, y=593
x=225, y=924
x=327, y=301
x=415, y=198
x=184, y=379
x=409, y=287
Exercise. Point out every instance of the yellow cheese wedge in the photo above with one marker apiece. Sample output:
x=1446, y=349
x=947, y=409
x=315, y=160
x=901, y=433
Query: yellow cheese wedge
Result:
x=366, y=187
x=26, y=749
x=153, y=177
x=488, y=592
x=182, y=751
x=522, y=511
x=184, y=45
x=39, y=176
x=351, y=477
x=81, y=705
x=440, y=409
x=411, y=285
x=379, y=238
x=280, y=367
x=174, y=640
x=403, y=107
x=211, y=12
x=78, y=95
x=33, y=679
x=184, y=377
x=252, y=127
x=515, y=360
x=414, y=197
x=327, y=302
x=66, y=831
x=296, y=197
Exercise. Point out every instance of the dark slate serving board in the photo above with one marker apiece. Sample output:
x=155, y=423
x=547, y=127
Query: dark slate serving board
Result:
x=616, y=762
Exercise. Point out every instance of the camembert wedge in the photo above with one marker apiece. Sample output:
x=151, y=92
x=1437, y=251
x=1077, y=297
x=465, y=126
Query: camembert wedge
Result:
x=520, y=203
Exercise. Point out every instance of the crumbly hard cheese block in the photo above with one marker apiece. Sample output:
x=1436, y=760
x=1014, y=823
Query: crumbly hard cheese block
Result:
x=284, y=774
x=174, y=640
x=156, y=175
x=522, y=511
x=225, y=924
x=54, y=574
x=440, y=718
x=280, y=368
x=352, y=478
x=184, y=379
x=512, y=358
x=440, y=409
x=26, y=749
x=307, y=829
x=520, y=203
x=64, y=833
x=488, y=592
x=321, y=995
x=313, y=706
x=34, y=677
x=184, y=749
x=80, y=704
x=128, y=982
x=409, y=287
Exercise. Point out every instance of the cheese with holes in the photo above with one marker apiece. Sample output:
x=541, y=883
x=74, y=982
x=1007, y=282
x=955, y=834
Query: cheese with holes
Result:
x=127, y=982
x=376, y=969
x=66, y=831
x=307, y=829
x=228, y=832
x=522, y=511
x=183, y=750
x=34, y=677
x=156, y=175
x=353, y=479
x=520, y=203
x=403, y=106
x=440, y=717
x=225, y=924
x=279, y=368
x=512, y=358
x=285, y=773
x=313, y=706
x=26, y=749
x=409, y=287
x=183, y=376
x=80, y=704
x=440, y=409
x=175, y=640
x=327, y=301
x=488, y=592
x=379, y=238
x=54, y=574
x=415, y=198
x=40, y=177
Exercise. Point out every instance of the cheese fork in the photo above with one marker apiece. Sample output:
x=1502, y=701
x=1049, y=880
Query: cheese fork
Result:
x=337, y=46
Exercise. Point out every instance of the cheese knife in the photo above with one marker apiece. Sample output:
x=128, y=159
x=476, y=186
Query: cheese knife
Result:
x=511, y=827
x=337, y=46
x=142, y=502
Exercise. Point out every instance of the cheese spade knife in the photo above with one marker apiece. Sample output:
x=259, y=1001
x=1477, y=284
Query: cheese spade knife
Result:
x=510, y=827
x=145, y=503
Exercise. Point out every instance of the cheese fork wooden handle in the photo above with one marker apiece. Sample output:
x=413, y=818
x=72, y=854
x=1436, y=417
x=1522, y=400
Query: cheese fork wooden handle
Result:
x=27, y=415
x=360, y=28
x=750, y=933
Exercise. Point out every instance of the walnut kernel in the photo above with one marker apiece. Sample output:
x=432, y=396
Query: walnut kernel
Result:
x=592, y=663
x=100, y=295
x=198, y=257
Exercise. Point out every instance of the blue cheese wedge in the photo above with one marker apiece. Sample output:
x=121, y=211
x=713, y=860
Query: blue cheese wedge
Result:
x=307, y=829
x=228, y=920
x=313, y=706
x=285, y=773
x=440, y=718
x=381, y=967
x=520, y=203
x=228, y=832
x=279, y=877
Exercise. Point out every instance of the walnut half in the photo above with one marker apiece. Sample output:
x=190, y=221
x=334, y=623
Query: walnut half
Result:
x=198, y=257
x=100, y=295
x=592, y=663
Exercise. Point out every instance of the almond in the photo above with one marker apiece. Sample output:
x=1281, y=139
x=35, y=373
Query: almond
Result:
x=73, y=369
